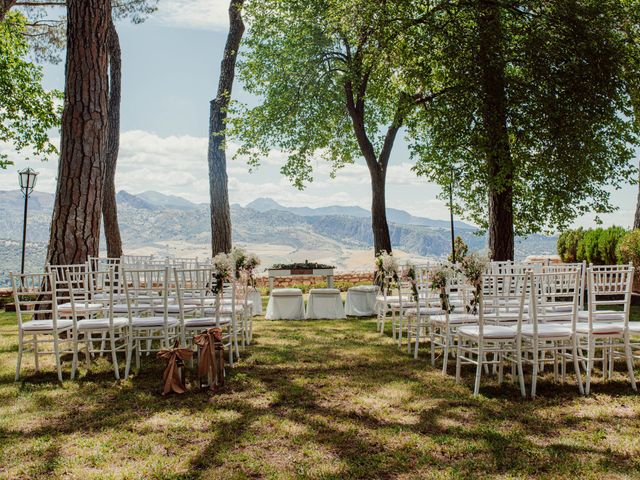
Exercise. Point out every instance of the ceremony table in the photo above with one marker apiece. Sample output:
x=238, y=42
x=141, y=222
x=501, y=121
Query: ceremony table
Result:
x=285, y=304
x=361, y=301
x=325, y=303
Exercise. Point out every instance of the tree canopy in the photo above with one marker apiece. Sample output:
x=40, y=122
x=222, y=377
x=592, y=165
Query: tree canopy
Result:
x=568, y=116
x=27, y=110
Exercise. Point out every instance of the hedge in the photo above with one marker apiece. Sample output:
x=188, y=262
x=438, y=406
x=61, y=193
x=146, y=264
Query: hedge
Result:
x=600, y=246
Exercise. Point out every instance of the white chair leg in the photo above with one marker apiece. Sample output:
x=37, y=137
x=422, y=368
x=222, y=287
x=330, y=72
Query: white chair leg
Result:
x=35, y=353
x=445, y=354
x=476, y=388
x=576, y=366
x=433, y=348
x=114, y=356
x=56, y=352
x=127, y=366
x=523, y=390
x=74, y=362
x=534, y=373
x=590, y=361
x=459, y=360
x=20, y=351
x=629, y=358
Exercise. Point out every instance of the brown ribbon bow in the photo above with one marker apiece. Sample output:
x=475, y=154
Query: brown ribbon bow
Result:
x=175, y=358
x=211, y=362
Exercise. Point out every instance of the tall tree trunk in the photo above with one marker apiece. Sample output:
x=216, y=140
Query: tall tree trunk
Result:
x=379, y=225
x=218, y=180
x=75, y=225
x=5, y=6
x=634, y=93
x=109, y=207
x=494, y=118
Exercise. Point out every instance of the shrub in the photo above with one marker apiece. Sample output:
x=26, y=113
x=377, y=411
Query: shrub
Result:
x=608, y=242
x=629, y=248
x=588, y=247
x=568, y=245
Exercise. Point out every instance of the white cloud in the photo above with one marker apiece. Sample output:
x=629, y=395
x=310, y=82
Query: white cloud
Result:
x=201, y=14
x=177, y=165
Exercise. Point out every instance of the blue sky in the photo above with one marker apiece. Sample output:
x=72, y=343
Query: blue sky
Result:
x=170, y=72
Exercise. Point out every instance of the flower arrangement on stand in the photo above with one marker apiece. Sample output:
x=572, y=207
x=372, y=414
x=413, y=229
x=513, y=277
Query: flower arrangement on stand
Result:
x=386, y=266
x=224, y=265
x=473, y=267
x=439, y=281
x=410, y=275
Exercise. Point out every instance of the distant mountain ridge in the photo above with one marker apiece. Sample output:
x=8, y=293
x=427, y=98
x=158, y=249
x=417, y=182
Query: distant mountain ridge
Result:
x=393, y=215
x=154, y=220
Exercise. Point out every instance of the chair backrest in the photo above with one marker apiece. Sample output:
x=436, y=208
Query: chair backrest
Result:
x=580, y=268
x=103, y=264
x=554, y=297
x=504, y=296
x=79, y=287
x=135, y=259
x=144, y=287
x=609, y=286
x=101, y=284
x=34, y=292
x=193, y=288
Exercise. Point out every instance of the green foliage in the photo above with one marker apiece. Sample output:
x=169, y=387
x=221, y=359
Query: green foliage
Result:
x=568, y=112
x=629, y=248
x=300, y=58
x=27, y=111
x=600, y=246
x=568, y=244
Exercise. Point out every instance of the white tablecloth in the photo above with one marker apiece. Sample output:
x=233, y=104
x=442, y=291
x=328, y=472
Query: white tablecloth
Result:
x=285, y=304
x=255, y=297
x=361, y=301
x=325, y=303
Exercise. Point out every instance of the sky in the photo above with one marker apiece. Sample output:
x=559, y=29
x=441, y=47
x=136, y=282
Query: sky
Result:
x=170, y=68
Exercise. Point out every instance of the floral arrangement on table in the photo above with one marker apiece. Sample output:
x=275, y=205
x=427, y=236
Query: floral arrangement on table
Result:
x=439, y=281
x=306, y=265
x=473, y=266
x=224, y=265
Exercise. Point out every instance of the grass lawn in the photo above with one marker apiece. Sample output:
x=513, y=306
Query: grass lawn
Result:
x=310, y=399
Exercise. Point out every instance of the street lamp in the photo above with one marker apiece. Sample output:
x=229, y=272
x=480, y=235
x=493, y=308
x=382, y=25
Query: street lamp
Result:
x=28, y=178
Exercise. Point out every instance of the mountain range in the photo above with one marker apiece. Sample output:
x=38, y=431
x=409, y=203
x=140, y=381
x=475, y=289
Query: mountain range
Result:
x=152, y=222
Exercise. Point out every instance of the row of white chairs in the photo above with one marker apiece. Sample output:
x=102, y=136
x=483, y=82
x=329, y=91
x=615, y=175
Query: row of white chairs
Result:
x=527, y=315
x=125, y=308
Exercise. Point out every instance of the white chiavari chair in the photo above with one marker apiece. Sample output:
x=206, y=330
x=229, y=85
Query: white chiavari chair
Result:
x=553, y=298
x=112, y=331
x=61, y=275
x=607, y=329
x=39, y=321
x=195, y=289
x=502, y=340
x=150, y=330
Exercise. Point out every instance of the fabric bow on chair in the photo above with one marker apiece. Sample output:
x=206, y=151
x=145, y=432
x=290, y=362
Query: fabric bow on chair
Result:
x=211, y=362
x=175, y=358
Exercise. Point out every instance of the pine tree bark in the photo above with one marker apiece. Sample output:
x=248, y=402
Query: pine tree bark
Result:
x=5, y=6
x=216, y=156
x=494, y=118
x=379, y=225
x=75, y=225
x=109, y=206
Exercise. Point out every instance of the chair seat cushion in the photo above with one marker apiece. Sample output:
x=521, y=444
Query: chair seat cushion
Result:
x=286, y=292
x=101, y=323
x=205, y=322
x=412, y=312
x=79, y=306
x=602, y=316
x=600, y=328
x=364, y=288
x=547, y=330
x=490, y=331
x=455, y=318
x=46, y=325
x=324, y=291
x=173, y=309
x=123, y=308
x=144, y=322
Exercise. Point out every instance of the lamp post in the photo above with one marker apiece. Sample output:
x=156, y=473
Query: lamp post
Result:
x=28, y=178
x=453, y=234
